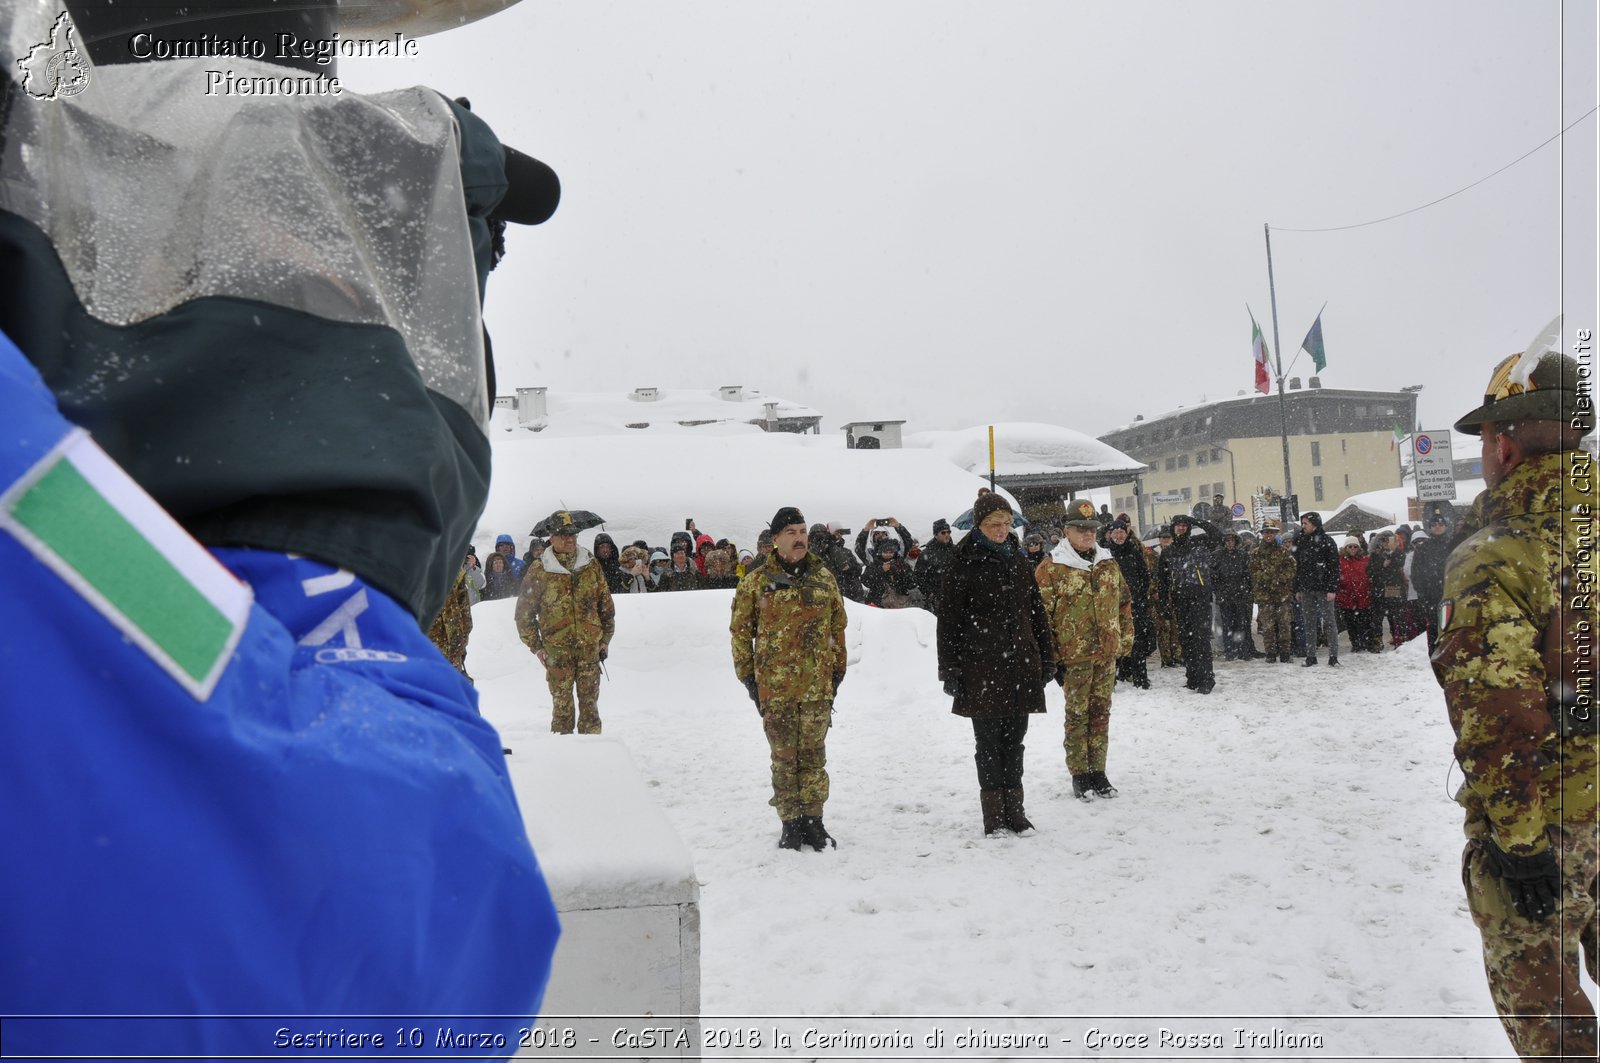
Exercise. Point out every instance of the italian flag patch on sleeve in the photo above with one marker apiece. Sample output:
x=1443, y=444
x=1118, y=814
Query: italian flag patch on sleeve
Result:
x=86, y=519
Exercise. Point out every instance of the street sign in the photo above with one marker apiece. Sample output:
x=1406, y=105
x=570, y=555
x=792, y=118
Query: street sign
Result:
x=1432, y=467
x=1238, y=509
x=1167, y=498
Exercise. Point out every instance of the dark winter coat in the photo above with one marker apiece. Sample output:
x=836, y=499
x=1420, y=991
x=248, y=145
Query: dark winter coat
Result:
x=1185, y=553
x=931, y=567
x=499, y=580
x=1135, y=570
x=610, y=565
x=994, y=639
x=1230, y=576
x=1428, y=556
x=840, y=561
x=1387, y=573
x=1316, y=563
x=896, y=579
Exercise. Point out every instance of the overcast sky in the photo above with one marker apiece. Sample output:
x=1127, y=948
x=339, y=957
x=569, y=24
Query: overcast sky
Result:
x=957, y=212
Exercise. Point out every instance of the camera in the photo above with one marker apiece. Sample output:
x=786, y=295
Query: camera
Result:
x=884, y=520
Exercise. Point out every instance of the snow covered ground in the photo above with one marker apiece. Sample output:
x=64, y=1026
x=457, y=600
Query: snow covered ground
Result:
x=1286, y=847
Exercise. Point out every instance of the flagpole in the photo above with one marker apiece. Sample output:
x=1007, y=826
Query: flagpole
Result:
x=1283, y=403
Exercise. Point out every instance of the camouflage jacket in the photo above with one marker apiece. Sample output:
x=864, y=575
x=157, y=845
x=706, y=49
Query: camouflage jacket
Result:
x=1511, y=640
x=453, y=625
x=564, y=609
x=1088, y=603
x=788, y=631
x=1272, y=574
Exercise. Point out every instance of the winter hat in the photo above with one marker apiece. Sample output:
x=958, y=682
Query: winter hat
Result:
x=1120, y=522
x=1352, y=540
x=1181, y=518
x=1033, y=539
x=783, y=518
x=658, y=554
x=745, y=555
x=504, y=538
x=940, y=525
x=764, y=538
x=989, y=502
x=1081, y=515
x=891, y=545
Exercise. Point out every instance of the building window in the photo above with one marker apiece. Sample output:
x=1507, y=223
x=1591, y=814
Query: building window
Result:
x=1316, y=487
x=1200, y=458
x=1347, y=480
x=1186, y=494
x=1216, y=454
x=1344, y=448
x=1183, y=461
x=1172, y=463
x=1316, y=454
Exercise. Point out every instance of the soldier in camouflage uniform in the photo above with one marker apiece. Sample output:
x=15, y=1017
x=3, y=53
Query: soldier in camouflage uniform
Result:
x=453, y=625
x=789, y=652
x=1516, y=658
x=1272, y=577
x=565, y=616
x=1091, y=615
x=1167, y=641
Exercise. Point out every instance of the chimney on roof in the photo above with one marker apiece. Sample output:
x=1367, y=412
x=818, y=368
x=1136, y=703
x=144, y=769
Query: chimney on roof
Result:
x=1316, y=381
x=732, y=393
x=1294, y=383
x=531, y=406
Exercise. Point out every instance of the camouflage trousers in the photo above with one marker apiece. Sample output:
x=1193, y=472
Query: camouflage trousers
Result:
x=1533, y=966
x=797, y=734
x=1167, y=641
x=1277, y=628
x=579, y=665
x=1088, y=692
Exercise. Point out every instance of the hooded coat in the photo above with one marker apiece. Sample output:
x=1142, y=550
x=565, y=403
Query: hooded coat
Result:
x=611, y=565
x=994, y=639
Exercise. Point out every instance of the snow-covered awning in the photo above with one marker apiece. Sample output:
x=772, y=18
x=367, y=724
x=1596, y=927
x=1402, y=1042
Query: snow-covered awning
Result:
x=1031, y=455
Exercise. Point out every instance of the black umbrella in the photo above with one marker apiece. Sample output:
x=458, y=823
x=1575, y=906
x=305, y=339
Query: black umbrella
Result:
x=581, y=519
x=964, y=522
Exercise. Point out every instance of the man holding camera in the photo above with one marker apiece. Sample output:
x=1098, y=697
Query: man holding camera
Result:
x=878, y=528
x=788, y=650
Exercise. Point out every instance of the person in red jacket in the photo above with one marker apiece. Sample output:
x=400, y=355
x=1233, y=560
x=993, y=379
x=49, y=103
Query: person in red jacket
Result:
x=1354, y=600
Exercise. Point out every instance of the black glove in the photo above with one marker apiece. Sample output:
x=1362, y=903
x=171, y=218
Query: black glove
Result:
x=837, y=679
x=755, y=693
x=1534, y=882
x=952, y=684
x=1060, y=674
x=603, y=655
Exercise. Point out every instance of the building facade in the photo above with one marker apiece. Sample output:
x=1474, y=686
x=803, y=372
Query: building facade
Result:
x=1341, y=443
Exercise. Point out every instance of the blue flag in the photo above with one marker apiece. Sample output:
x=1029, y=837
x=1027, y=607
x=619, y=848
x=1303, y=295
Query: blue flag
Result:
x=1312, y=344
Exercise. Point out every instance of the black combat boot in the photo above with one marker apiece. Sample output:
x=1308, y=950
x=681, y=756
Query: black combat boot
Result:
x=814, y=834
x=1016, y=819
x=790, y=838
x=994, y=811
x=1101, y=785
x=1081, y=788
x=1311, y=659
x=1141, y=676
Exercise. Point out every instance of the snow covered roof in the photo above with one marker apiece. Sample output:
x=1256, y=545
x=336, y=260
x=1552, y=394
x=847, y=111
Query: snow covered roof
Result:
x=1024, y=448
x=730, y=479
x=611, y=412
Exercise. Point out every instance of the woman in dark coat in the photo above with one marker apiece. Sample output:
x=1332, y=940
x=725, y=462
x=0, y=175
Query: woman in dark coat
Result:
x=996, y=654
x=499, y=580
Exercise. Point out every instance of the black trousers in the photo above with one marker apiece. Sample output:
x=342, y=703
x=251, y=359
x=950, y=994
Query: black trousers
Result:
x=1236, y=640
x=999, y=754
x=1193, y=616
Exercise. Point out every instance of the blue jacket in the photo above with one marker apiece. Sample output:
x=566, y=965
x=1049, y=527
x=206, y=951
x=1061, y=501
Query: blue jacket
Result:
x=295, y=809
